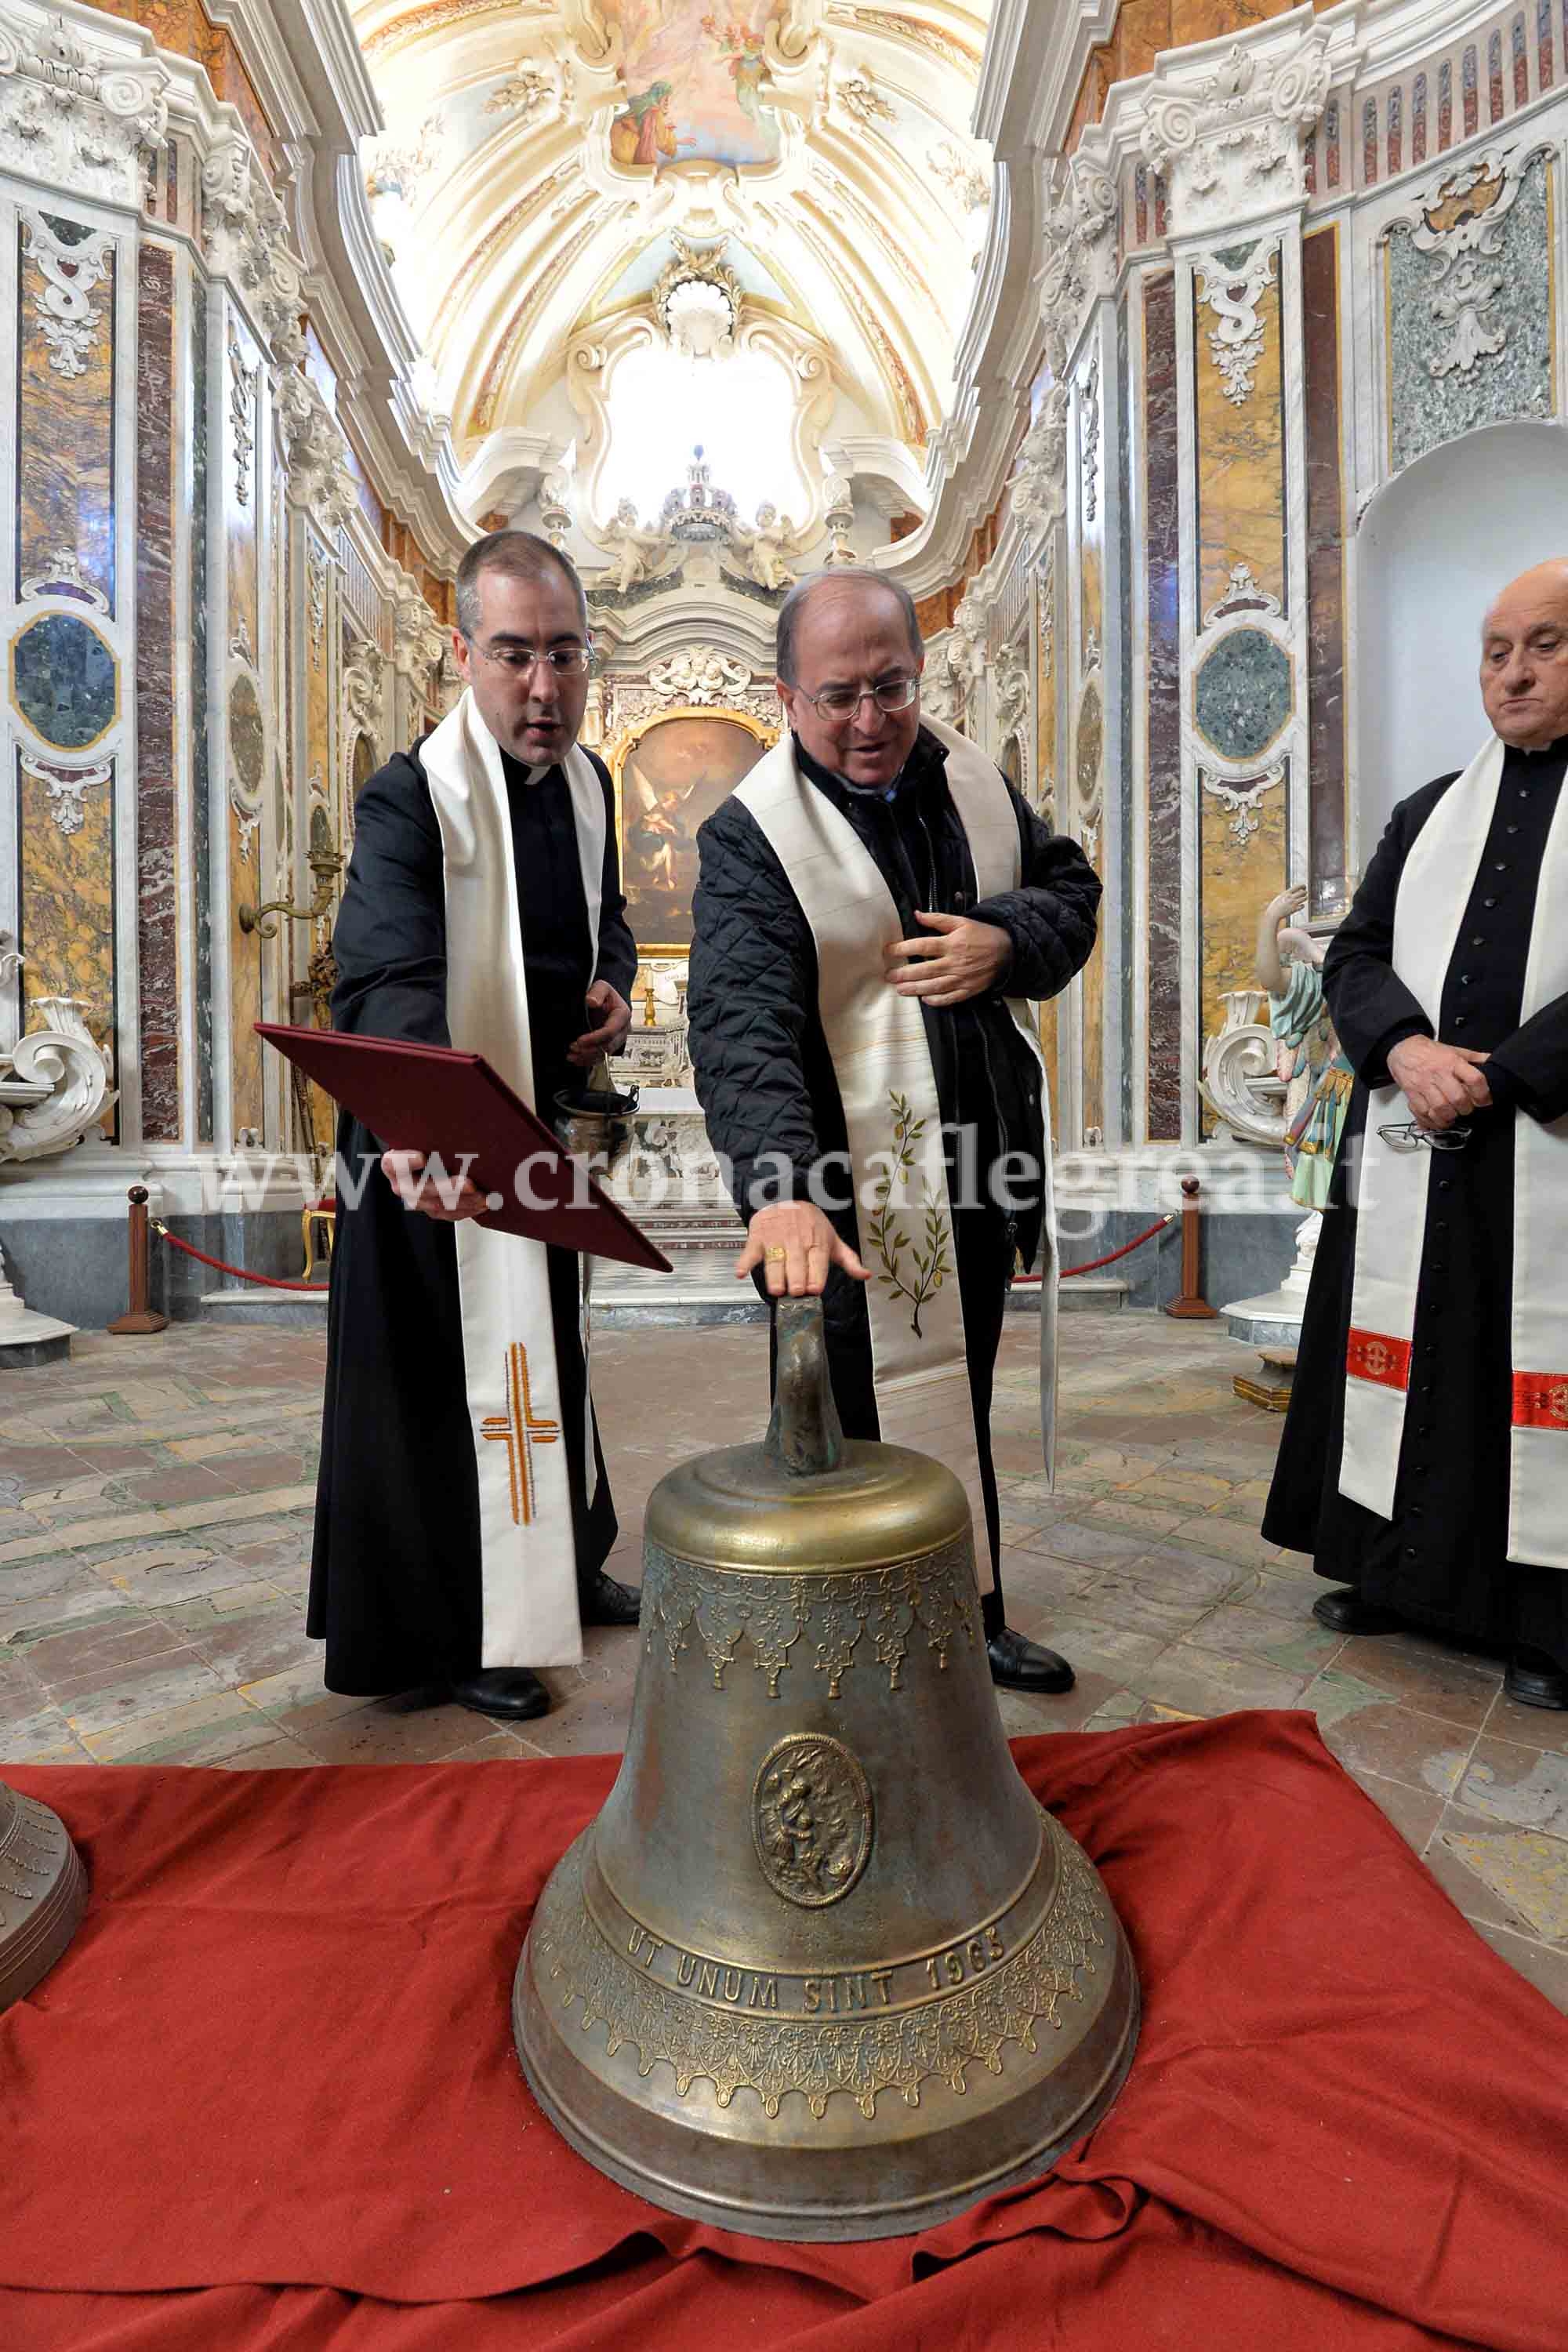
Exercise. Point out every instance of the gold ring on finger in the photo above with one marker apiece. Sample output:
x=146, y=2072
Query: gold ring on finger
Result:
x=774, y=1256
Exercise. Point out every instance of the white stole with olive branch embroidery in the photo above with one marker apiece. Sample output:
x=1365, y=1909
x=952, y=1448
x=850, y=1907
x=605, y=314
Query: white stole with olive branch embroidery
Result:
x=1391, y=1193
x=527, y=1549
x=877, y=1041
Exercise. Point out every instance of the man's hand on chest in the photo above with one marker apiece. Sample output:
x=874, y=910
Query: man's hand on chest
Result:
x=957, y=958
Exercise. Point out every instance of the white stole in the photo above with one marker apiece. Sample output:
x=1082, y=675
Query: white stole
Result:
x=877, y=1041
x=1392, y=1191
x=528, y=1552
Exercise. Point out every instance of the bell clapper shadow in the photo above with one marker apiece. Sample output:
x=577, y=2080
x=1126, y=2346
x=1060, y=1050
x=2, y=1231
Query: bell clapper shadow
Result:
x=822, y=1968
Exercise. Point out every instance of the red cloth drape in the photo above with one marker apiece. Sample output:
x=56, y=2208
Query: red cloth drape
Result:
x=269, y=2102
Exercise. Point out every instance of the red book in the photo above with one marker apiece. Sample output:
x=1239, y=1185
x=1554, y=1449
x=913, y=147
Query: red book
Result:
x=435, y=1100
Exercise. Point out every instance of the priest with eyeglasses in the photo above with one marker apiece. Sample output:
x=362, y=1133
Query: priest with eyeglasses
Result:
x=876, y=908
x=1425, y=1457
x=482, y=909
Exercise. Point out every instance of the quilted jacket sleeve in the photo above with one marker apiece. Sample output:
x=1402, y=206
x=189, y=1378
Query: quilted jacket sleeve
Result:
x=1051, y=917
x=617, y=949
x=752, y=977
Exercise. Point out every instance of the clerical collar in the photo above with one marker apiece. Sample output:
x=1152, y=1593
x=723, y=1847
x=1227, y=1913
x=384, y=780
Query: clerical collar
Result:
x=920, y=752
x=1554, y=750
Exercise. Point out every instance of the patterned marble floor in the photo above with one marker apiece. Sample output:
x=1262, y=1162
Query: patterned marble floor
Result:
x=154, y=1537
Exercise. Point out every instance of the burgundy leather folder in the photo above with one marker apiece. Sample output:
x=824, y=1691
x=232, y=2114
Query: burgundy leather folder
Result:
x=435, y=1100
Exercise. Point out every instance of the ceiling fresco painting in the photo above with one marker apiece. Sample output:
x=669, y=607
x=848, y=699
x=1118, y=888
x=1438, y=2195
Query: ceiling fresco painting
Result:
x=693, y=79
x=545, y=166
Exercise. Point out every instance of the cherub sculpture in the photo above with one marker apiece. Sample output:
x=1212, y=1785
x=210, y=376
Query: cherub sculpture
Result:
x=1319, y=1078
x=764, y=550
x=640, y=554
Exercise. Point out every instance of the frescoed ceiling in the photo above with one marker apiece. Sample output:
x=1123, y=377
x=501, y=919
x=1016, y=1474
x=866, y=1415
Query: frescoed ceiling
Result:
x=543, y=160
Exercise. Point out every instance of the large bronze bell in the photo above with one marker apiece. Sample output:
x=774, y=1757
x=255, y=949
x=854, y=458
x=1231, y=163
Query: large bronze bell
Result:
x=43, y=1892
x=822, y=1968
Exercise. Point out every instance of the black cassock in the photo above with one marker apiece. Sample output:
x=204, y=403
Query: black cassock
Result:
x=394, y=1575
x=1441, y=1561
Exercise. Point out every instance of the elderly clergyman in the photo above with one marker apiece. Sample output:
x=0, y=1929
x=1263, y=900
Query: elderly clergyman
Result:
x=463, y=1516
x=1424, y=1459
x=874, y=905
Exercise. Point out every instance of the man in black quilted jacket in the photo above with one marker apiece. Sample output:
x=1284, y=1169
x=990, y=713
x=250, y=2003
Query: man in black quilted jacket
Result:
x=869, y=900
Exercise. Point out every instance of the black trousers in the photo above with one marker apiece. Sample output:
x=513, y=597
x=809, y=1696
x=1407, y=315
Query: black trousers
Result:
x=984, y=1249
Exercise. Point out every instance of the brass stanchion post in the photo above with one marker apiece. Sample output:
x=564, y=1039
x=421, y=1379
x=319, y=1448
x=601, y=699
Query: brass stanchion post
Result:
x=140, y=1317
x=1191, y=1302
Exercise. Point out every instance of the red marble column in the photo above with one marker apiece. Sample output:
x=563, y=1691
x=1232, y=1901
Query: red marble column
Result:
x=157, y=919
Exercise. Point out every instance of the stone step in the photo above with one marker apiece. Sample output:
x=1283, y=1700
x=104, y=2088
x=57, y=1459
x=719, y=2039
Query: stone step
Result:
x=1085, y=1294
x=294, y=1310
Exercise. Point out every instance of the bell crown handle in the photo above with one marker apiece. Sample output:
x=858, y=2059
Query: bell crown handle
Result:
x=805, y=1435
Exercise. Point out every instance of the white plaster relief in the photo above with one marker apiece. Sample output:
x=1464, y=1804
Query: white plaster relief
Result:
x=61, y=576
x=242, y=382
x=68, y=317
x=1039, y=471
x=67, y=788
x=318, y=479
x=1243, y=594
x=1089, y=440
x=699, y=675
x=1233, y=294
x=79, y=117
x=1458, y=222
x=1081, y=214
x=1242, y=801
x=1229, y=145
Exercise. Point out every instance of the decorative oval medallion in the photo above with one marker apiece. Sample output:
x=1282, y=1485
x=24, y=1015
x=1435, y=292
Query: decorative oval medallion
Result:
x=812, y=1818
x=65, y=681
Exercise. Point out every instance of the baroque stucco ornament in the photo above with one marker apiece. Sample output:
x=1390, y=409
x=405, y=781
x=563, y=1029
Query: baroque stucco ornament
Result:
x=1229, y=145
x=1039, y=471
x=78, y=117
x=1457, y=223
x=1232, y=290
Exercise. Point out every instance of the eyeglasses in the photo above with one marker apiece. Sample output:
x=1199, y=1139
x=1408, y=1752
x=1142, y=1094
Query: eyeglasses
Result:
x=566, y=661
x=1407, y=1136
x=844, y=701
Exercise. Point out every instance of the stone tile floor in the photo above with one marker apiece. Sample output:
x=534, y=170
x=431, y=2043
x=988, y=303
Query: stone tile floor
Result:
x=155, y=1543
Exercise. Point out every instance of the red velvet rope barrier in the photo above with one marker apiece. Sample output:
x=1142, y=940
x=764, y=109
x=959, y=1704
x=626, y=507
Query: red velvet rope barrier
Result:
x=1108, y=1259
x=316, y=1289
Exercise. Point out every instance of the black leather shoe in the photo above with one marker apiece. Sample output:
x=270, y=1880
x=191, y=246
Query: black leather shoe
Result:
x=1021, y=1666
x=1535, y=1679
x=602, y=1601
x=1347, y=1612
x=510, y=1692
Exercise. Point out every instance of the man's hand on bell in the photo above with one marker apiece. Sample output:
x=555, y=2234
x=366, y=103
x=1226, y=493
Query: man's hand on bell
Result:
x=430, y=1190
x=795, y=1245
x=958, y=958
x=614, y=1018
x=1442, y=1083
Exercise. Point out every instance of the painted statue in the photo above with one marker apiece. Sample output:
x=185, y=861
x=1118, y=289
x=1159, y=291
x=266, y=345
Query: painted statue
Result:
x=1319, y=1078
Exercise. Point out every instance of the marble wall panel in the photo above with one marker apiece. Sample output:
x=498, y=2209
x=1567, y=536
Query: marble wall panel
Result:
x=1325, y=564
x=1088, y=755
x=246, y=953
x=201, y=756
x=246, y=752
x=157, y=914
x=1162, y=507
x=66, y=895
x=1240, y=418
x=1047, y=791
x=244, y=732
x=1242, y=857
x=65, y=410
x=243, y=474
x=1474, y=386
x=1092, y=514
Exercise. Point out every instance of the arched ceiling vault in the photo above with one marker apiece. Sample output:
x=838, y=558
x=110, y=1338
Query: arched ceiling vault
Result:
x=542, y=157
